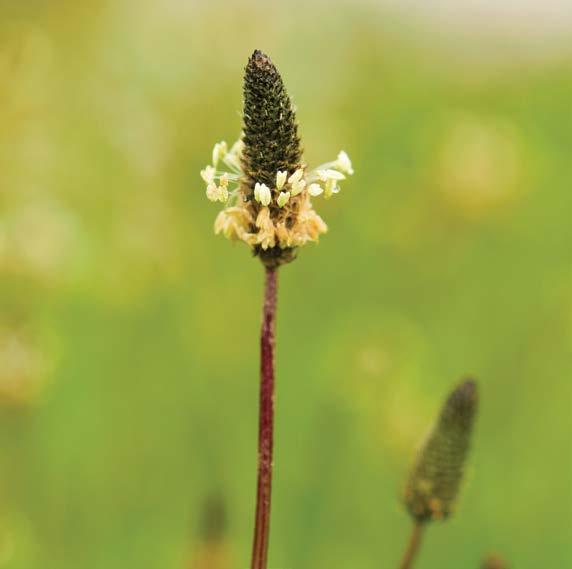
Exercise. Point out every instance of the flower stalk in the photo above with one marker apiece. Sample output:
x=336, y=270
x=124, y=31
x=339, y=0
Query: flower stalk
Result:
x=412, y=546
x=266, y=422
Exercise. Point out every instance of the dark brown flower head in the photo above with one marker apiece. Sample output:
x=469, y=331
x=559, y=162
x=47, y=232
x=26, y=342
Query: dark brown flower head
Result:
x=271, y=142
x=437, y=472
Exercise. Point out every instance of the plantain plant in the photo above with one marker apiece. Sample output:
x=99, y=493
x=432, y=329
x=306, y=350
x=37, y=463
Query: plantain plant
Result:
x=267, y=192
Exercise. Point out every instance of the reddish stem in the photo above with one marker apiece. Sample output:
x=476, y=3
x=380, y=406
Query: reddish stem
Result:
x=412, y=547
x=266, y=423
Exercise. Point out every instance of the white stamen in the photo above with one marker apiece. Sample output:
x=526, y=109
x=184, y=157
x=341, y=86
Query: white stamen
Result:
x=315, y=190
x=283, y=199
x=298, y=187
x=296, y=176
x=281, y=179
x=344, y=163
x=220, y=149
x=262, y=193
x=208, y=174
x=329, y=174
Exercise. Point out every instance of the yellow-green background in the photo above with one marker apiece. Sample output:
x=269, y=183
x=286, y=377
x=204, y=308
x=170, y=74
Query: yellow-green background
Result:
x=128, y=331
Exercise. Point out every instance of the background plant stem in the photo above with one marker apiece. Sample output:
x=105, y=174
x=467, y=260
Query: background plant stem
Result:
x=412, y=546
x=266, y=423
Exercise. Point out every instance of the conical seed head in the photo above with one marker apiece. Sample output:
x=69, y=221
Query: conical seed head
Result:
x=437, y=472
x=271, y=145
x=271, y=142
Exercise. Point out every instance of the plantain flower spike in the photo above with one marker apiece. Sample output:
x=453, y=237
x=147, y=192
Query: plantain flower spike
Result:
x=435, y=478
x=262, y=180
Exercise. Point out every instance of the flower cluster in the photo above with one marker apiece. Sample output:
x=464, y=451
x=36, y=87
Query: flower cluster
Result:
x=281, y=215
x=213, y=174
x=262, y=180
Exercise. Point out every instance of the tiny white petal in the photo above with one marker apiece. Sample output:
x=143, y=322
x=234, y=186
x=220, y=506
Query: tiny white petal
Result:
x=281, y=179
x=344, y=163
x=208, y=174
x=262, y=193
x=283, y=199
x=296, y=176
x=315, y=190
x=224, y=180
x=265, y=194
x=297, y=187
x=219, y=150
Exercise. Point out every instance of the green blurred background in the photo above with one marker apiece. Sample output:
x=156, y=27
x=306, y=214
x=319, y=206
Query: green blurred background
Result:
x=129, y=332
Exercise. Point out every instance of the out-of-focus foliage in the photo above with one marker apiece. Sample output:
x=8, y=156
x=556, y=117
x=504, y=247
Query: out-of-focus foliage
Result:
x=128, y=332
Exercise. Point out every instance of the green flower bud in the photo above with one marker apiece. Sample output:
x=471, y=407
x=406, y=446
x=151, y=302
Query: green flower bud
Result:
x=437, y=472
